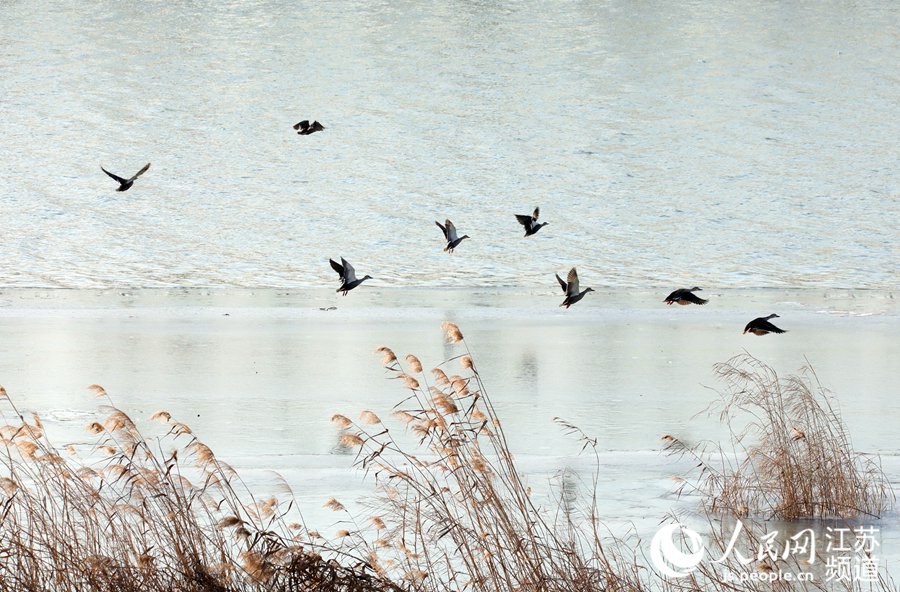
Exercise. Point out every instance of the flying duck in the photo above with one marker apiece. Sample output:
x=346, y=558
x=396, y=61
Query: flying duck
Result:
x=305, y=128
x=685, y=296
x=450, y=235
x=762, y=326
x=125, y=184
x=348, y=275
x=570, y=287
x=530, y=222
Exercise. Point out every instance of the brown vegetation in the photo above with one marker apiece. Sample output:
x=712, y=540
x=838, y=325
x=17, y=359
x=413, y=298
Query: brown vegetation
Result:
x=451, y=510
x=135, y=514
x=790, y=455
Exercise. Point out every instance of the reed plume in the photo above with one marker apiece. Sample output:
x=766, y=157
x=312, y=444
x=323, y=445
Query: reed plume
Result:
x=463, y=517
x=451, y=510
x=790, y=455
x=127, y=515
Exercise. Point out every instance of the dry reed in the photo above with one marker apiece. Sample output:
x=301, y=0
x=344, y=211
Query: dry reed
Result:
x=127, y=513
x=452, y=512
x=790, y=454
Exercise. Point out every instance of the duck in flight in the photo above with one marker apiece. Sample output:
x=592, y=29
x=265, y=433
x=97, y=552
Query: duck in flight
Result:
x=570, y=287
x=348, y=275
x=304, y=128
x=125, y=184
x=762, y=326
x=453, y=239
x=685, y=296
x=530, y=222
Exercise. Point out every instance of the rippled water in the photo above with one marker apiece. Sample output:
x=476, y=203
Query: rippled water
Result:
x=667, y=144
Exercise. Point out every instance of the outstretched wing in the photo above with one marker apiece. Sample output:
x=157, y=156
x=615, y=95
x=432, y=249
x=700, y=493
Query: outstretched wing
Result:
x=443, y=229
x=303, y=124
x=524, y=220
x=562, y=282
x=691, y=297
x=140, y=172
x=349, y=272
x=337, y=267
x=537, y=212
x=317, y=127
x=572, y=281
x=116, y=177
x=451, y=231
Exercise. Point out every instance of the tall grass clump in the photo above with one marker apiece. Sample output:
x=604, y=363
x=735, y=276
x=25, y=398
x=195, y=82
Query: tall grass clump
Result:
x=453, y=511
x=790, y=455
x=125, y=513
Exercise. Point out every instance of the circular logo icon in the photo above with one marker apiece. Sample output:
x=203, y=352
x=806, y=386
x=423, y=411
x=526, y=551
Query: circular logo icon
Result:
x=668, y=558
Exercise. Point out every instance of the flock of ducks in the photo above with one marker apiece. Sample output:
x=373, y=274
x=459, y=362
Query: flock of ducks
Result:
x=570, y=286
x=684, y=296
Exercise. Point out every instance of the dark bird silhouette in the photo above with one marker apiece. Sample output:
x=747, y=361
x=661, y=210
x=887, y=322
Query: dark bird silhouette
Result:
x=570, y=287
x=453, y=239
x=762, y=326
x=125, y=184
x=530, y=222
x=305, y=128
x=348, y=275
x=685, y=296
